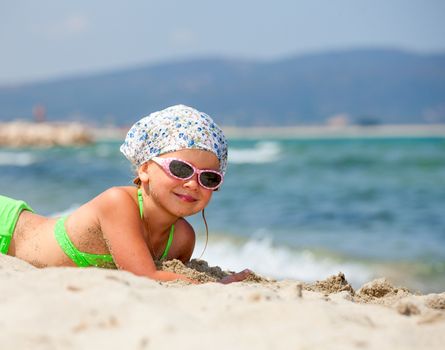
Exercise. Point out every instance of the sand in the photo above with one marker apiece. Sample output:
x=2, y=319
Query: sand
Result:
x=72, y=308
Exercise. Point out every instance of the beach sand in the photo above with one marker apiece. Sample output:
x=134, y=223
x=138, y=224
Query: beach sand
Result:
x=73, y=308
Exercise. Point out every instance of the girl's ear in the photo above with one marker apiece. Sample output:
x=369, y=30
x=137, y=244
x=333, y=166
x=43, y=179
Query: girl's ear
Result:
x=143, y=172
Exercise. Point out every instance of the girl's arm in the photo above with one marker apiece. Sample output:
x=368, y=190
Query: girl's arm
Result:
x=122, y=229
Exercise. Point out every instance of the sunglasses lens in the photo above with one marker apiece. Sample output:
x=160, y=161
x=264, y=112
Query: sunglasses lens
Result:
x=180, y=169
x=210, y=179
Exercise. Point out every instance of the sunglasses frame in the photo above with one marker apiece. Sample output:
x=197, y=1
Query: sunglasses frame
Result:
x=164, y=163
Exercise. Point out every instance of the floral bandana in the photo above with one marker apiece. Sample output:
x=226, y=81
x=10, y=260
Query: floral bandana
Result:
x=173, y=129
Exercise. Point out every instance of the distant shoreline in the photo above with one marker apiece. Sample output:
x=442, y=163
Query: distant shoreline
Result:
x=307, y=132
x=326, y=131
x=23, y=134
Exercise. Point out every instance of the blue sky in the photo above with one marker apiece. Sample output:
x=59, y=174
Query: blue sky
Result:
x=48, y=39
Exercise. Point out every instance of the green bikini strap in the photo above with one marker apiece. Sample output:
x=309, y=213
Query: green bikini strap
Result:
x=141, y=203
x=172, y=229
x=169, y=243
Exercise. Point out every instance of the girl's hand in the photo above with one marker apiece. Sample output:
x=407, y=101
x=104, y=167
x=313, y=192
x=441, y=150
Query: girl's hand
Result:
x=236, y=277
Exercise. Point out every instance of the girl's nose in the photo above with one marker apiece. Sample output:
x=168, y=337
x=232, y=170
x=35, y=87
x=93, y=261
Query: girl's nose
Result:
x=192, y=183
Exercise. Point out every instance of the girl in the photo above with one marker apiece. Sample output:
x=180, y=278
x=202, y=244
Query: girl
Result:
x=180, y=156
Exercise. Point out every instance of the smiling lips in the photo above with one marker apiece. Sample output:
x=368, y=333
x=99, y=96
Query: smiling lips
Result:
x=186, y=198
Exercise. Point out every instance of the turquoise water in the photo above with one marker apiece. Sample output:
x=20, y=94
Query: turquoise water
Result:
x=288, y=208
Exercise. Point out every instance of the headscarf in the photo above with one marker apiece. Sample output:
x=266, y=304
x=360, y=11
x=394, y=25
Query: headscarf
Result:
x=173, y=129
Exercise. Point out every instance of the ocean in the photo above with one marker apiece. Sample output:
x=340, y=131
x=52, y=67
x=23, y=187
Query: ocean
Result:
x=289, y=208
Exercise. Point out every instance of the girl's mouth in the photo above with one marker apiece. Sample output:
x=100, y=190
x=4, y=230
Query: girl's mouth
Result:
x=186, y=198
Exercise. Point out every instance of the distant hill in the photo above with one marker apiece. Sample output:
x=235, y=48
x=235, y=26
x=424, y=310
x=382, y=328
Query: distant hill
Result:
x=366, y=86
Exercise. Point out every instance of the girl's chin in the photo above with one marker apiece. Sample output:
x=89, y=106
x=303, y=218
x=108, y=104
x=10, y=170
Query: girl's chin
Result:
x=184, y=213
x=182, y=209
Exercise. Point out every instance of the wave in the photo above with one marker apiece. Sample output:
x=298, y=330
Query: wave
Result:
x=263, y=152
x=21, y=159
x=279, y=262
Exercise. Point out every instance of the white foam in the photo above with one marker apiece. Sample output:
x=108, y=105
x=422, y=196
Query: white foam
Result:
x=279, y=262
x=263, y=152
x=21, y=159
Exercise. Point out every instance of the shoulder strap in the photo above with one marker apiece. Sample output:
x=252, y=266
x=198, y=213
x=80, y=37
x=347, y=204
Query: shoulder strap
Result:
x=169, y=243
x=172, y=229
x=141, y=203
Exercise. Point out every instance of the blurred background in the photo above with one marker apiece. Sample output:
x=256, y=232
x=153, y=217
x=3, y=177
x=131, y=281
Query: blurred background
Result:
x=335, y=112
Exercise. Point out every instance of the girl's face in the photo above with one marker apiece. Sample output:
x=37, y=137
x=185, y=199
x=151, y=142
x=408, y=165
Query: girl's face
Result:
x=179, y=197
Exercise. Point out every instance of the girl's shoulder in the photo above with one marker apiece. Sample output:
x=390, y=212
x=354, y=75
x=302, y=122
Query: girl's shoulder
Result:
x=118, y=193
x=116, y=198
x=184, y=228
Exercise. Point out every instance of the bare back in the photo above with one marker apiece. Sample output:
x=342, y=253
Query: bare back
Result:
x=33, y=241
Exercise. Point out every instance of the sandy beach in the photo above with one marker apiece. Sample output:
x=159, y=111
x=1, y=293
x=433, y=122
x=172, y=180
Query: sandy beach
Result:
x=69, y=308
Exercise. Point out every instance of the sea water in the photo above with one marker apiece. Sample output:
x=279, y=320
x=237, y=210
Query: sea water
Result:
x=299, y=209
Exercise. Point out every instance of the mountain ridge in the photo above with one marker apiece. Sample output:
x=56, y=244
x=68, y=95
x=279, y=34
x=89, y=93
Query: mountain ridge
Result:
x=363, y=86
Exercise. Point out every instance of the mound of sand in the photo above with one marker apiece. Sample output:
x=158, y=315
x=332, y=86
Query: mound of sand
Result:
x=333, y=284
x=199, y=270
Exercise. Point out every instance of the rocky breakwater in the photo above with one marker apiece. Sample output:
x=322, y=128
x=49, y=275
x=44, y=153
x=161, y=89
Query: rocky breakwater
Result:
x=28, y=134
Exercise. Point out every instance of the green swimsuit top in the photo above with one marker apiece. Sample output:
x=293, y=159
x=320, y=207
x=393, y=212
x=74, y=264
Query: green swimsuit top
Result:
x=82, y=259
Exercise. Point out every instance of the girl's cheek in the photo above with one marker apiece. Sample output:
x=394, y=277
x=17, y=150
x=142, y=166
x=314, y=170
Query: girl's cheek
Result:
x=208, y=196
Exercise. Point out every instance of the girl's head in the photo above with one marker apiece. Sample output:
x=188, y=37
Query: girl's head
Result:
x=179, y=195
x=180, y=142
x=173, y=129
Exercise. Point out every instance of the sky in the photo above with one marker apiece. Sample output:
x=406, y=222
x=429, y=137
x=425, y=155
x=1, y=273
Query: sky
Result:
x=47, y=39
